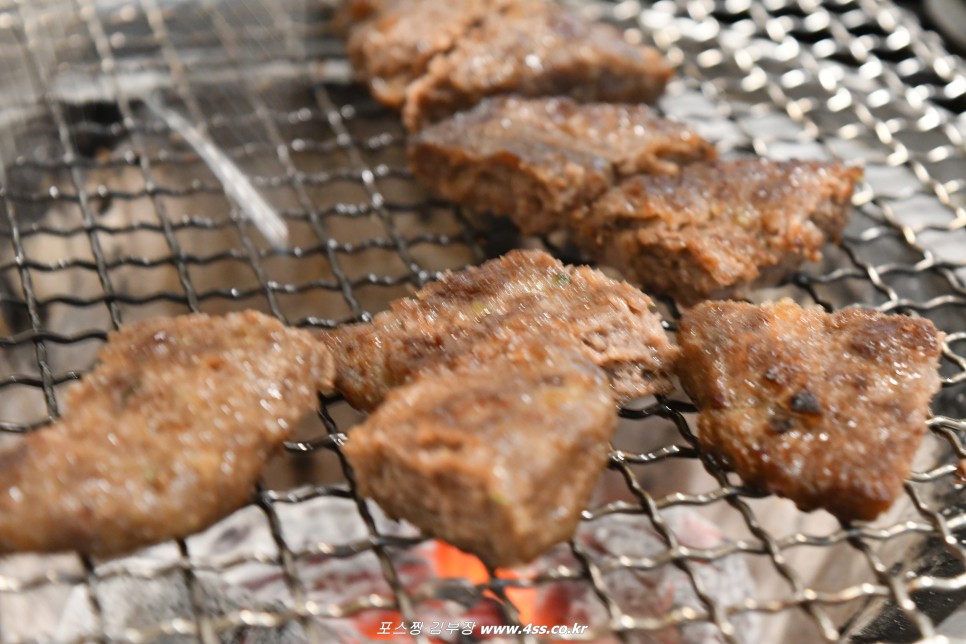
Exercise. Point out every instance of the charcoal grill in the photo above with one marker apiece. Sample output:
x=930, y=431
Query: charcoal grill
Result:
x=108, y=216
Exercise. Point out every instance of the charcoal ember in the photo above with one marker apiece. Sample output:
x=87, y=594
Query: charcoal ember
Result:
x=134, y=603
x=652, y=593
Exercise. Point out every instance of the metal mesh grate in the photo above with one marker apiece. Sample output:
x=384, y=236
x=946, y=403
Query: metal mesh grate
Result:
x=109, y=216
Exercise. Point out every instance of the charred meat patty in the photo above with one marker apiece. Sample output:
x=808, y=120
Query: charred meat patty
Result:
x=473, y=314
x=167, y=435
x=826, y=409
x=394, y=47
x=497, y=458
x=535, y=49
x=718, y=227
x=537, y=160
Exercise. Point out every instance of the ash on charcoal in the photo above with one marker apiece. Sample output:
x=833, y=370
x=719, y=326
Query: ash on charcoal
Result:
x=653, y=593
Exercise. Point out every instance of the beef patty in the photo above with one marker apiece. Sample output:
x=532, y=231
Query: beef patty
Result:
x=167, y=435
x=826, y=409
x=535, y=49
x=716, y=228
x=473, y=314
x=497, y=458
x=538, y=160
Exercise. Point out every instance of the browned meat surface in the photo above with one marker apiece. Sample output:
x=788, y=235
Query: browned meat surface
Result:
x=537, y=160
x=395, y=46
x=497, y=458
x=717, y=227
x=474, y=314
x=825, y=409
x=536, y=49
x=167, y=435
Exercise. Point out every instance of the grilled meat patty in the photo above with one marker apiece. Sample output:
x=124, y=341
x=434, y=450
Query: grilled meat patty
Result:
x=473, y=314
x=535, y=49
x=825, y=409
x=167, y=435
x=717, y=227
x=537, y=160
x=394, y=48
x=497, y=458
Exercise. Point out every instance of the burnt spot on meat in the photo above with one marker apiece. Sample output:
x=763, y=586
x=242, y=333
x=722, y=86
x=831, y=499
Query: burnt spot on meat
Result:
x=781, y=424
x=805, y=402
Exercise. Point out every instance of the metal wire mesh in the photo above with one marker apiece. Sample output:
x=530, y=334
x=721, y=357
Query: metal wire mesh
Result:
x=109, y=217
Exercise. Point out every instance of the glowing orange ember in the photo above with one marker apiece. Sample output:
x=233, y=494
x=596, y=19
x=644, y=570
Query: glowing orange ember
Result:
x=453, y=562
x=450, y=562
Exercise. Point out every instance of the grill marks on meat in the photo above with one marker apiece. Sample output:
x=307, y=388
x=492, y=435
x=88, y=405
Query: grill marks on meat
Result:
x=535, y=49
x=537, y=160
x=718, y=227
x=497, y=458
x=825, y=409
x=398, y=41
x=472, y=315
x=167, y=435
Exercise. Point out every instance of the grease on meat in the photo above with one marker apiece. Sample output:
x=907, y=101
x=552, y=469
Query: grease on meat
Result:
x=537, y=160
x=473, y=314
x=825, y=409
x=167, y=435
x=498, y=458
x=718, y=227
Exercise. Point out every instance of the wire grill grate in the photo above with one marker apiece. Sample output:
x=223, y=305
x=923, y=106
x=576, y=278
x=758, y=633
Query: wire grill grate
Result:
x=109, y=217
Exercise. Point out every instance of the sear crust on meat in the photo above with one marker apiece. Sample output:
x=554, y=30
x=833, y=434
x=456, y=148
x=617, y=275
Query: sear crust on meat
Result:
x=167, y=435
x=718, y=227
x=825, y=409
x=499, y=458
x=474, y=314
x=395, y=46
x=536, y=49
x=537, y=160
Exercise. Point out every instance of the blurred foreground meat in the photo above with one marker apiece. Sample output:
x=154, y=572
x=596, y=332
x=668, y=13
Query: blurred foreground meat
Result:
x=496, y=457
x=825, y=409
x=476, y=313
x=653, y=593
x=537, y=160
x=718, y=227
x=534, y=49
x=167, y=435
